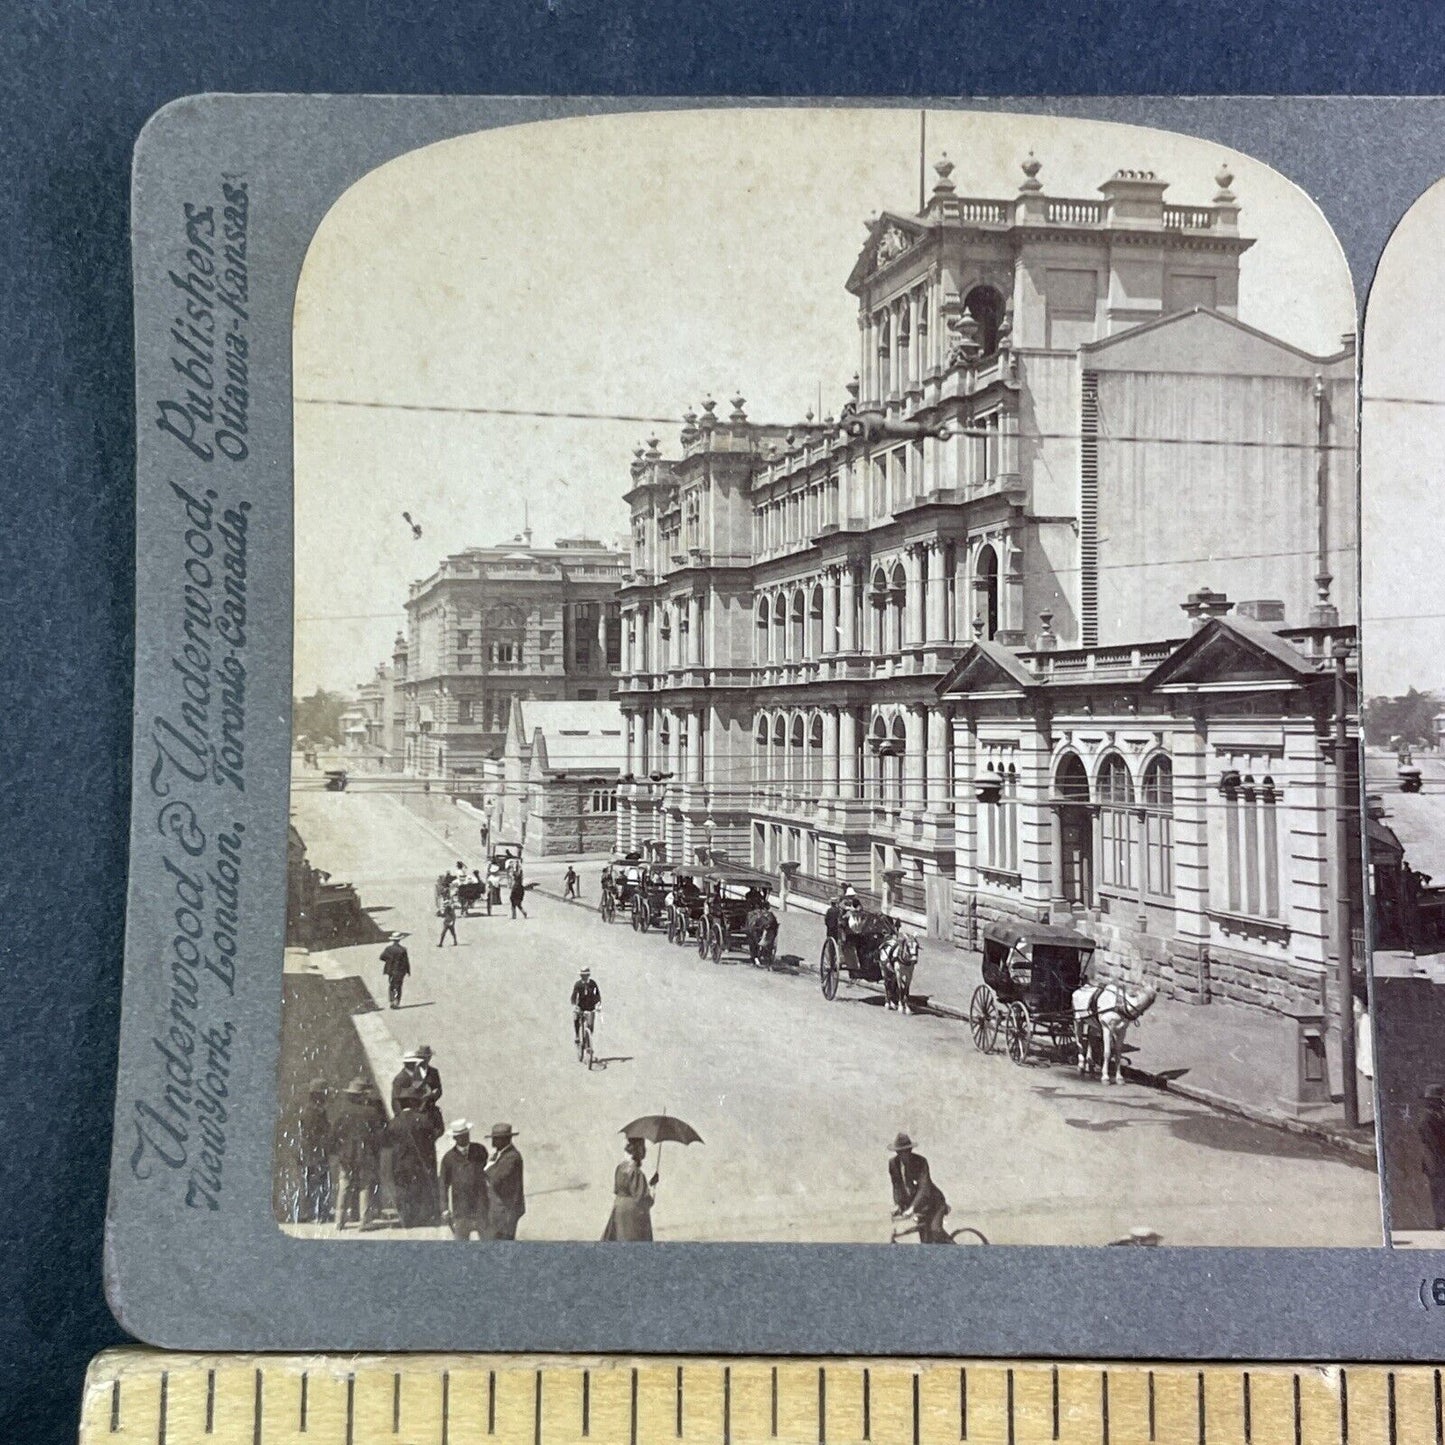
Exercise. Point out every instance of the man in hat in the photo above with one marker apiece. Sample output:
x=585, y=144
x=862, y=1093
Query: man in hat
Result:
x=313, y=1150
x=586, y=999
x=421, y=1083
x=507, y=1201
x=412, y=1137
x=518, y=895
x=915, y=1193
x=396, y=965
x=1432, y=1146
x=357, y=1135
x=463, y=1183
x=449, y=921
x=569, y=880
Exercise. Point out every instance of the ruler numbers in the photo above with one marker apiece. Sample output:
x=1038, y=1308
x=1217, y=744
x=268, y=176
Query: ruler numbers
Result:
x=170, y=1399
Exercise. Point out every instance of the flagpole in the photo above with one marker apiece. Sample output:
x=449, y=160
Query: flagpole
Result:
x=922, y=153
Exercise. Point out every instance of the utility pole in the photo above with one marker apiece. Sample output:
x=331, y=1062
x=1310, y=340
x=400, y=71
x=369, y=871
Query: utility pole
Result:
x=1346, y=839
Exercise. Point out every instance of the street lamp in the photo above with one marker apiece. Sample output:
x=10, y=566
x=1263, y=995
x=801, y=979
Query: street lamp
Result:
x=709, y=827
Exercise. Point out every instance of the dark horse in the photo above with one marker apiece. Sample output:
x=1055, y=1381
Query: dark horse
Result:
x=761, y=929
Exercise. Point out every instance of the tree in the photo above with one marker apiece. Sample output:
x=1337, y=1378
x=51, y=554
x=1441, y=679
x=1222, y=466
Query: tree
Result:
x=1411, y=718
x=318, y=718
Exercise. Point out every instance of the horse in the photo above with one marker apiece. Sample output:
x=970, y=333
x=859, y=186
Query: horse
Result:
x=761, y=929
x=1102, y=1015
x=897, y=958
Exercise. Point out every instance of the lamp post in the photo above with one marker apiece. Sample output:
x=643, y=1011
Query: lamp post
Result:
x=709, y=827
x=1345, y=839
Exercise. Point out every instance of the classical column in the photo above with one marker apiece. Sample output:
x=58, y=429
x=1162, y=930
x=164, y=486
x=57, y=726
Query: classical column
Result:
x=694, y=746
x=936, y=591
x=1059, y=902
x=913, y=757
x=915, y=372
x=694, y=630
x=936, y=788
x=831, y=618
x=847, y=753
x=832, y=772
x=913, y=569
x=848, y=599
x=601, y=638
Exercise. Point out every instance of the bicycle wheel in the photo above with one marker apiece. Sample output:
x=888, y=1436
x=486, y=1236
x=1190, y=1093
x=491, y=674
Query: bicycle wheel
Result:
x=587, y=1046
x=957, y=1236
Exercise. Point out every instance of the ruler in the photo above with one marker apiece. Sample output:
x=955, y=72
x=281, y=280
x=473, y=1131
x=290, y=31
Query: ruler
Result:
x=160, y=1398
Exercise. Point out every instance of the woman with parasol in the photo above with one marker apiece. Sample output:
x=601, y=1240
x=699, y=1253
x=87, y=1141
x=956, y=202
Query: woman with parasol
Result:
x=631, y=1217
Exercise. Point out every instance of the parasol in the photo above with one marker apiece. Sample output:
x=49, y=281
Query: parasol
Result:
x=661, y=1129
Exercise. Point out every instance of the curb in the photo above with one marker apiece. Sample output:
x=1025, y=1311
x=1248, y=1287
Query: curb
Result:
x=1358, y=1150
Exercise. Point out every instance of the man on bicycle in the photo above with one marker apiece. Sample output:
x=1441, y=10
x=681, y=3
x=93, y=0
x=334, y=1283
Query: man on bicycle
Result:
x=586, y=1000
x=915, y=1193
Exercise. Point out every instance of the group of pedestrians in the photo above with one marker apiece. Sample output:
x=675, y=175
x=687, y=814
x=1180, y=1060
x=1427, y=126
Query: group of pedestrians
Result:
x=341, y=1146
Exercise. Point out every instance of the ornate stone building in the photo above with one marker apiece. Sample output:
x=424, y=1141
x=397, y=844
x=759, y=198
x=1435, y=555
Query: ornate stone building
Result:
x=493, y=625
x=1059, y=429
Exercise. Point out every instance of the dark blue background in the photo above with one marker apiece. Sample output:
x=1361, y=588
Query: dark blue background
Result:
x=80, y=80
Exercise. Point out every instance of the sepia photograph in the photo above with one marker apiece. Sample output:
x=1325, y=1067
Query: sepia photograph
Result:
x=1402, y=440
x=826, y=695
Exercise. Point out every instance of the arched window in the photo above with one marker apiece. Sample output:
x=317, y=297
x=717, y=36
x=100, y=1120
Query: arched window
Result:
x=796, y=639
x=817, y=643
x=760, y=752
x=985, y=586
x=815, y=769
x=897, y=751
x=1116, y=824
x=877, y=757
x=760, y=635
x=878, y=597
x=778, y=758
x=796, y=756
x=780, y=628
x=1159, y=828
x=986, y=306
x=1251, y=824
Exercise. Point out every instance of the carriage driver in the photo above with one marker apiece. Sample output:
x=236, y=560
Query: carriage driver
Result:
x=915, y=1193
x=586, y=999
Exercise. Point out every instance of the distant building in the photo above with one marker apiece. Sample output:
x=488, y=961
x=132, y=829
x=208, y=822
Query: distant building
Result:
x=560, y=770
x=494, y=625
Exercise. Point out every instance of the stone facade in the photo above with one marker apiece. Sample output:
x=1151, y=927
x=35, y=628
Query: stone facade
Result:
x=494, y=625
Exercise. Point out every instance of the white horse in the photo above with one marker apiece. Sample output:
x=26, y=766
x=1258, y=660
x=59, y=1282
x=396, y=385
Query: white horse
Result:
x=1102, y=1015
x=898, y=957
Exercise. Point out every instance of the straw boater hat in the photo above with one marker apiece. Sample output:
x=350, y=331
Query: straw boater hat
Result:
x=901, y=1143
x=586, y=972
x=461, y=1126
x=358, y=1086
x=414, y=1057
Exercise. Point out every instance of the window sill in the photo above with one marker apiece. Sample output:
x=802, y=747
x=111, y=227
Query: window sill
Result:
x=1001, y=875
x=1268, y=930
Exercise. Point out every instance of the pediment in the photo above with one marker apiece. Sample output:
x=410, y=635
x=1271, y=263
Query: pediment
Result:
x=891, y=236
x=987, y=668
x=1225, y=654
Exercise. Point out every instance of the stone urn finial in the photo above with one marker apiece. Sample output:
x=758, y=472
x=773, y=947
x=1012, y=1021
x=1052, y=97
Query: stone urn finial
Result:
x=1031, y=165
x=1224, y=179
x=943, y=169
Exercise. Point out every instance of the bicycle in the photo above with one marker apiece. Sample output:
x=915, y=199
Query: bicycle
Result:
x=584, y=1037
x=966, y=1235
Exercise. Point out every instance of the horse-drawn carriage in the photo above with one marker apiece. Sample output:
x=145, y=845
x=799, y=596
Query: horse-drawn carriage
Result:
x=736, y=915
x=1030, y=975
x=650, y=897
x=687, y=905
x=870, y=945
x=621, y=879
x=336, y=779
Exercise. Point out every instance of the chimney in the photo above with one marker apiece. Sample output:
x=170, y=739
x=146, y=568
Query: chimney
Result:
x=1205, y=605
x=1263, y=609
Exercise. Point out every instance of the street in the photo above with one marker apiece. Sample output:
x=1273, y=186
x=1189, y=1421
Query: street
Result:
x=796, y=1099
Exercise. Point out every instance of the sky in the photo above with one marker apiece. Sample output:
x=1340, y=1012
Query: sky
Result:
x=1402, y=447
x=631, y=265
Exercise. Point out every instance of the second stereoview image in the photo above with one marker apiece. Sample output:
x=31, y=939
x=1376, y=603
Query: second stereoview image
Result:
x=808, y=731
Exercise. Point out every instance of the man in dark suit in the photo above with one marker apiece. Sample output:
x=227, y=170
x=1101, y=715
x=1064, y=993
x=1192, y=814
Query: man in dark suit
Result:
x=915, y=1193
x=357, y=1134
x=396, y=965
x=464, y=1193
x=412, y=1136
x=507, y=1196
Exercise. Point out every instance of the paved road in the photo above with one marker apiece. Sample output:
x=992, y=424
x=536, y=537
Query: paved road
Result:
x=796, y=1098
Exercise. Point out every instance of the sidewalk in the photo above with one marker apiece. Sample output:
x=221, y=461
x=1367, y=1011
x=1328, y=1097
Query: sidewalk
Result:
x=1226, y=1056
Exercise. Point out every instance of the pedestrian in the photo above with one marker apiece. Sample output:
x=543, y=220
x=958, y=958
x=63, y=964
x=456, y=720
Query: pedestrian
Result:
x=915, y=1193
x=396, y=965
x=357, y=1135
x=519, y=895
x=449, y=922
x=412, y=1137
x=463, y=1184
x=420, y=1081
x=494, y=887
x=507, y=1197
x=569, y=879
x=631, y=1217
x=1364, y=1053
x=313, y=1150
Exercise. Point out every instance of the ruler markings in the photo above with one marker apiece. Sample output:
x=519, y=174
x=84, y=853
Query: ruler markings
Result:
x=632, y=1435
x=163, y=1408
x=491, y=1402
x=446, y=1404
x=350, y=1409
x=396, y=1402
x=1439, y=1412
x=1054, y=1392
x=1151, y=1405
x=115, y=1405
x=679, y=1402
x=1009, y=1407
x=586, y=1402
x=537, y=1410
x=727, y=1405
x=917, y=1412
x=963, y=1402
x=1199, y=1398
x=822, y=1406
x=1390, y=1395
x=1298, y=1414
x=1248, y=1412
x=1344, y=1406
x=1104, y=1407
x=257, y=1400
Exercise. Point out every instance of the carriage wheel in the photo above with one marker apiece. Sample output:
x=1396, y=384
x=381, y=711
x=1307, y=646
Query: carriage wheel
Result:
x=828, y=969
x=702, y=931
x=644, y=915
x=636, y=925
x=1018, y=1030
x=983, y=1019
x=672, y=925
x=716, y=943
